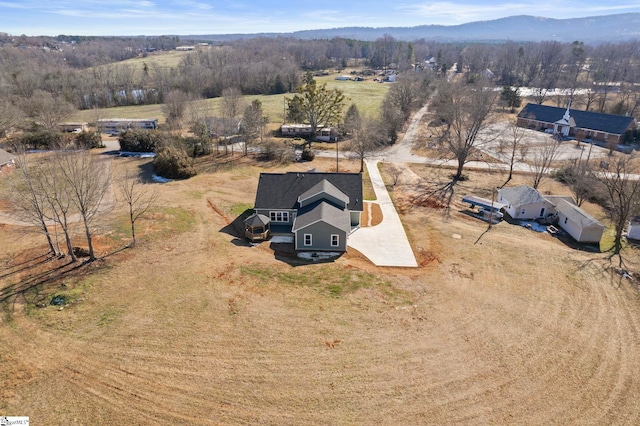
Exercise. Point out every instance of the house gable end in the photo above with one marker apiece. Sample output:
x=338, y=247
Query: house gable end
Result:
x=324, y=190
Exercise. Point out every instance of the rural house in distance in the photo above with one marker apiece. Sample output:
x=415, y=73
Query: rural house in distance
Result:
x=584, y=125
x=6, y=159
x=319, y=210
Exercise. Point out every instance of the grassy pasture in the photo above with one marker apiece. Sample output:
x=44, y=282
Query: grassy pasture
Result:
x=367, y=95
x=195, y=327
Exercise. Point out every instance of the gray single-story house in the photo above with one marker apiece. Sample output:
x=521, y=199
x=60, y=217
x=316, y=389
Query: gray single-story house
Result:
x=578, y=223
x=525, y=203
x=319, y=210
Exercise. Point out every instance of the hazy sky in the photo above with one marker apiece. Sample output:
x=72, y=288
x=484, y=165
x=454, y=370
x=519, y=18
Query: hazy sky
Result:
x=155, y=17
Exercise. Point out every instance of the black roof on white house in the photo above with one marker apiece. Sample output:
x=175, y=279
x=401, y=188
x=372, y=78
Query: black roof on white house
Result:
x=608, y=123
x=281, y=190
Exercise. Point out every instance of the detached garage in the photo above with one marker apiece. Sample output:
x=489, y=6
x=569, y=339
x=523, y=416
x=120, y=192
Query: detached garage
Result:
x=578, y=223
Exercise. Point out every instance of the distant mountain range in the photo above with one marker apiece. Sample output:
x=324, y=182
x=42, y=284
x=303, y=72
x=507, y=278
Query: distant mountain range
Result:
x=592, y=30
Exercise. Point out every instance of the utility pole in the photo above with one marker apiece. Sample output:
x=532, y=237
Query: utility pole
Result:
x=493, y=196
x=336, y=154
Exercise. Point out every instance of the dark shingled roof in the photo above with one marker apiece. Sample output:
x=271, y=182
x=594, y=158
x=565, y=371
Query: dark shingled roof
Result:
x=324, y=186
x=281, y=190
x=608, y=123
x=325, y=212
x=257, y=220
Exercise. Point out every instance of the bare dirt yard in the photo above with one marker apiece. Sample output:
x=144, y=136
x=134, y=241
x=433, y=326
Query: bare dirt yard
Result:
x=194, y=326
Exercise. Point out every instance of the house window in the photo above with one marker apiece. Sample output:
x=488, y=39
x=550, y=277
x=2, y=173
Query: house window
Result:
x=335, y=240
x=522, y=212
x=308, y=239
x=565, y=220
x=279, y=216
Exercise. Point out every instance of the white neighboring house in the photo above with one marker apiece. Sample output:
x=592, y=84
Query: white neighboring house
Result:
x=73, y=127
x=578, y=223
x=525, y=203
x=117, y=125
x=633, y=230
x=326, y=134
x=6, y=159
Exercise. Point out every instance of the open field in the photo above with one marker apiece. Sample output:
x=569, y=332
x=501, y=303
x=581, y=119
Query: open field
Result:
x=170, y=59
x=193, y=326
x=367, y=95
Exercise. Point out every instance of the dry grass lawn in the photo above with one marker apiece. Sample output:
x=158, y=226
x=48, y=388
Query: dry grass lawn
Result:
x=193, y=326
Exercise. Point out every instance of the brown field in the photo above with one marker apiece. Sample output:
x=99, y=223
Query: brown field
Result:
x=193, y=326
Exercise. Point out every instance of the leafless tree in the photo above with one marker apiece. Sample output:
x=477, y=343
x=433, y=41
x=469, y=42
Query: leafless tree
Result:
x=27, y=197
x=88, y=179
x=580, y=182
x=541, y=157
x=174, y=107
x=395, y=173
x=253, y=123
x=10, y=115
x=139, y=199
x=365, y=141
x=512, y=143
x=47, y=110
x=623, y=194
x=466, y=111
x=230, y=109
x=58, y=195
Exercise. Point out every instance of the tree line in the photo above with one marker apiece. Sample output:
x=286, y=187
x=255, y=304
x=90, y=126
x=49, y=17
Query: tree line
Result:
x=87, y=72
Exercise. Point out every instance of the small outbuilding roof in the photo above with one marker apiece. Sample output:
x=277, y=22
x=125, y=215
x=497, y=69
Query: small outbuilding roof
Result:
x=521, y=195
x=577, y=215
x=555, y=199
x=257, y=220
x=483, y=202
x=5, y=157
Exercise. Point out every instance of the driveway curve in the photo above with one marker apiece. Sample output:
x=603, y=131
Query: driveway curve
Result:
x=385, y=244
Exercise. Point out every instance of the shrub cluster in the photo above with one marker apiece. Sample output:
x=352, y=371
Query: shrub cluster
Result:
x=172, y=163
x=89, y=140
x=308, y=154
x=140, y=140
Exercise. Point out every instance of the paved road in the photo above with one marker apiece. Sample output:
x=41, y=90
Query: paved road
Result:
x=385, y=244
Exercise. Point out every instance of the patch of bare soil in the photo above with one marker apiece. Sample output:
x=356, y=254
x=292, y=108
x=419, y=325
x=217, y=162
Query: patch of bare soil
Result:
x=372, y=215
x=194, y=325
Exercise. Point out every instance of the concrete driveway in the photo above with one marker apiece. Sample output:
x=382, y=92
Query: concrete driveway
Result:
x=385, y=244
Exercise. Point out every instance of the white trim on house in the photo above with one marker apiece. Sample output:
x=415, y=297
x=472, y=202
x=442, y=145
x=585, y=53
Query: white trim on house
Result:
x=308, y=240
x=279, y=216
